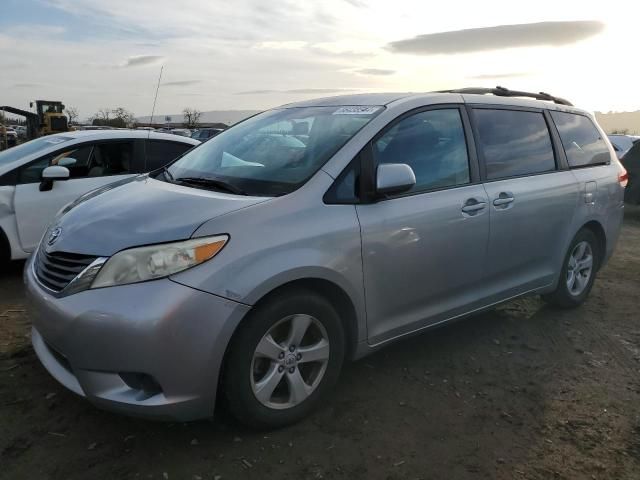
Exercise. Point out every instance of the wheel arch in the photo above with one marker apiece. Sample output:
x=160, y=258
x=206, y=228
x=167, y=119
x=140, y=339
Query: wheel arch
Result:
x=598, y=230
x=330, y=290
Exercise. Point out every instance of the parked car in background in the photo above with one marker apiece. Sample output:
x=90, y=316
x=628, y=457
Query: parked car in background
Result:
x=266, y=260
x=39, y=177
x=621, y=143
x=93, y=127
x=183, y=132
x=631, y=162
x=10, y=135
x=204, y=134
x=21, y=130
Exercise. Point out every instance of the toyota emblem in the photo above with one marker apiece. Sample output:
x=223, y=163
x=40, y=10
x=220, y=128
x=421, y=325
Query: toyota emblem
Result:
x=54, y=235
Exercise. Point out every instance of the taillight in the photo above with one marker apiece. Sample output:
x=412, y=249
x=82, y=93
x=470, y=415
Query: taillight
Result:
x=623, y=177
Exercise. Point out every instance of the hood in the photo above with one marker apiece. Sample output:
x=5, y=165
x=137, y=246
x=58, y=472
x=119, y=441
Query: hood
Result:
x=141, y=212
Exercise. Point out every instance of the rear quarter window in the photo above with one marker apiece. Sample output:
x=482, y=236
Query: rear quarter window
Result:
x=581, y=140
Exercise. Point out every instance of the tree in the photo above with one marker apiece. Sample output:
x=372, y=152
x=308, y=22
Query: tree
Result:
x=72, y=114
x=620, y=131
x=191, y=117
x=123, y=117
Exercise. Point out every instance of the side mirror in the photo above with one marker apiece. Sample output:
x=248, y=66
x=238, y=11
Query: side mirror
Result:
x=67, y=162
x=51, y=174
x=394, y=178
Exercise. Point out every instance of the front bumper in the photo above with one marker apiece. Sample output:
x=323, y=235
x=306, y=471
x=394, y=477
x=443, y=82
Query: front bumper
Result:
x=172, y=333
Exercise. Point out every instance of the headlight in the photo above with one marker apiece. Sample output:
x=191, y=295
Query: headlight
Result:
x=157, y=261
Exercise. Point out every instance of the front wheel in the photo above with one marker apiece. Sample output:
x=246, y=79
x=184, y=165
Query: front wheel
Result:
x=283, y=360
x=578, y=272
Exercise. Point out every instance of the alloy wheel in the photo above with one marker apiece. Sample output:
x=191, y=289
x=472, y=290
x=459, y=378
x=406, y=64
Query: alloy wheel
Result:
x=580, y=268
x=290, y=361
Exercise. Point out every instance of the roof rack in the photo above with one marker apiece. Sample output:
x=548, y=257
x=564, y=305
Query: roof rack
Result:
x=505, y=92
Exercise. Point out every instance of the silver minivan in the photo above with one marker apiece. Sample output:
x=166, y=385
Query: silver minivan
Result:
x=259, y=262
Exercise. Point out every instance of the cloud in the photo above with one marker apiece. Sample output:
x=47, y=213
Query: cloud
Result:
x=298, y=91
x=375, y=71
x=256, y=92
x=284, y=45
x=498, y=37
x=497, y=76
x=180, y=83
x=141, y=60
x=26, y=85
x=356, y=3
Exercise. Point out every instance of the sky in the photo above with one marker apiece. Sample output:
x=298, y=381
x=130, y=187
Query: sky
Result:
x=256, y=54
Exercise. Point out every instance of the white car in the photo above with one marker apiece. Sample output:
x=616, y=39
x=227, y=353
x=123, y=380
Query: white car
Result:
x=32, y=189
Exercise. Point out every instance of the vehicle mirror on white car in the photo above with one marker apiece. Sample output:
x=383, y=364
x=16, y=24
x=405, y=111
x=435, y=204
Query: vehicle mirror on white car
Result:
x=51, y=174
x=394, y=178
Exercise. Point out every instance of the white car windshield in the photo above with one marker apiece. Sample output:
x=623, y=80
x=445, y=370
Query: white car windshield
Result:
x=16, y=153
x=272, y=153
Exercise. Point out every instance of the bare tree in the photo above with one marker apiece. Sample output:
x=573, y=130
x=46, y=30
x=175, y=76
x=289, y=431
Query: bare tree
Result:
x=191, y=117
x=72, y=114
x=103, y=114
x=123, y=116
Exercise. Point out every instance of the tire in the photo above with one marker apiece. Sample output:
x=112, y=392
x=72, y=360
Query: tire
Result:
x=5, y=250
x=249, y=376
x=564, y=296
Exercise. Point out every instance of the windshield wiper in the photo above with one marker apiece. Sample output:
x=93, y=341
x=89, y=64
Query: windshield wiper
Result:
x=212, y=183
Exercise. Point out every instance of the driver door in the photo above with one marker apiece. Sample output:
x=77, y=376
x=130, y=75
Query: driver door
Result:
x=95, y=165
x=424, y=251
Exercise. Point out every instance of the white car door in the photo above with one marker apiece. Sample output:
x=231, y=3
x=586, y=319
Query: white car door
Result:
x=95, y=165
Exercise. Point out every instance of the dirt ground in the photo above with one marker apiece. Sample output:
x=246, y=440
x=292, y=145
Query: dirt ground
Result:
x=523, y=392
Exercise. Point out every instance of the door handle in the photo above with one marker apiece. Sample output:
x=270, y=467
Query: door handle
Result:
x=474, y=208
x=504, y=198
x=473, y=205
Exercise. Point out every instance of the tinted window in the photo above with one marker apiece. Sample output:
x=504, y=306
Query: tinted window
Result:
x=432, y=143
x=113, y=158
x=76, y=160
x=514, y=142
x=160, y=152
x=581, y=140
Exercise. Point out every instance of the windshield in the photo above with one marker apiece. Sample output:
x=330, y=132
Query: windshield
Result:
x=274, y=152
x=16, y=153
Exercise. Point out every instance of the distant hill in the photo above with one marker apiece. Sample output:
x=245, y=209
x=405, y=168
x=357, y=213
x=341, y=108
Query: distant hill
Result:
x=228, y=117
x=620, y=121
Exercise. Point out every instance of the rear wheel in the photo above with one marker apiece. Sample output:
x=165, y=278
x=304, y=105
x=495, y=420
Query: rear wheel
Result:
x=578, y=272
x=283, y=360
x=5, y=250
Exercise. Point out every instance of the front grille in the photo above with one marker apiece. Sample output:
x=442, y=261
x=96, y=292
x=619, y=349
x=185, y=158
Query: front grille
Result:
x=56, y=270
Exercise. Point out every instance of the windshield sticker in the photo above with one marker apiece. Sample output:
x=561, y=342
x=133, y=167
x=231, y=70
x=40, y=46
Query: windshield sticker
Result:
x=356, y=110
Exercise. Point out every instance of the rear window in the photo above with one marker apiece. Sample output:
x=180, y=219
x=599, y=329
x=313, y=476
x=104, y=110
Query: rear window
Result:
x=581, y=140
x=514, y=143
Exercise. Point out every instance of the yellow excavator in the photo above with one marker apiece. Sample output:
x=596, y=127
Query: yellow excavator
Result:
x=49, y=118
